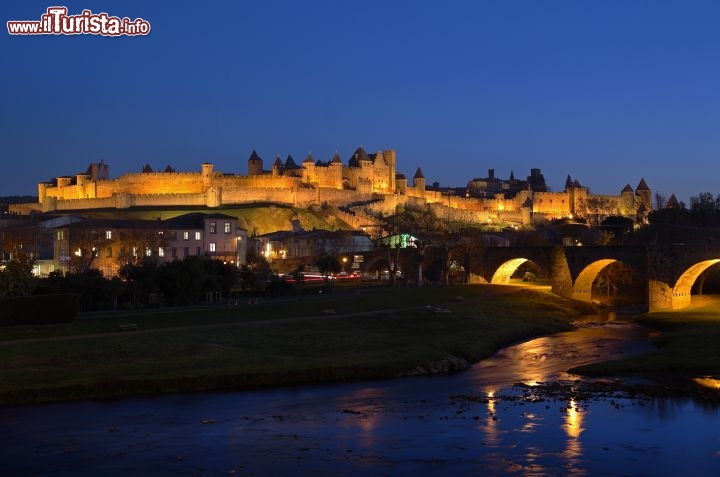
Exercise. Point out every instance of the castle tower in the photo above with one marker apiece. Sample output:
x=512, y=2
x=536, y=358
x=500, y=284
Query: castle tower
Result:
x=42, y=191
x=255, y=164
x=643, y=199
x=81, y=179
x=309, y=170
x=576, y=195
x=290, y=168
x=401, y=183
x=83, y=182
x=627, y=197
x=213, y=196
x=419, y=182
x=526, y=210
x=336, y=166
x=207, y=173
x=277, y=166
x=391, y=161
x=99, y=171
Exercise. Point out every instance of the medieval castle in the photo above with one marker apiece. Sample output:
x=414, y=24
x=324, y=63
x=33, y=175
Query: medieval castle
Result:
x=369, y=184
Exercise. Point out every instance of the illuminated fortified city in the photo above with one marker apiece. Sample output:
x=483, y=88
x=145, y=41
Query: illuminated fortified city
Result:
x=368, y=184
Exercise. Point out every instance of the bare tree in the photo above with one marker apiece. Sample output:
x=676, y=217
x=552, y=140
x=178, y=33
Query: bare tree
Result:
x=87, y=245
x=134, y=246
x=660, y=201
x=597, y=208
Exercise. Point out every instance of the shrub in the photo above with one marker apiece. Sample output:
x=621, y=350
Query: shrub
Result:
x=38, y=309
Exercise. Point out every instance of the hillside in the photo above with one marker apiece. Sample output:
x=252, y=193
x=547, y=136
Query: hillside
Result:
x=255, y=218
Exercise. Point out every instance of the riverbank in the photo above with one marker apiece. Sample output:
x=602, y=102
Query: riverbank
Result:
x=379, y=334
x=688, y=351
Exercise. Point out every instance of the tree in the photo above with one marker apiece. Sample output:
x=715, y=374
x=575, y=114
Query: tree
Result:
x=597, y=208
x=96, y=292
x=328, y=264
x=185, y=282
x=678, y=215
x=87, y=247
x=132, y=245
x=141, y=279
x=614, y=278
x=438, y=242
x=424, y=225
x=705, y=210
x=468, y=250
x=17, y=278
x=660, y=201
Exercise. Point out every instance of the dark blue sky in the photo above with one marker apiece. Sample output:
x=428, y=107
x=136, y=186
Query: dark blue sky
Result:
x=607, y=91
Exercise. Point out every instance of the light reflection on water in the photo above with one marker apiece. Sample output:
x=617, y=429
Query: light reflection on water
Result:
x=573, y=428
x=445, y=425
x=708, y=382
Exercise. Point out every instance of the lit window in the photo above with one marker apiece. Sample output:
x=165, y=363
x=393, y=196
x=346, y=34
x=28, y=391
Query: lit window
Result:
x=213, y=227
x=134, y=251
x=186, y=235
x=227, y=227
x=212, y=246
x=108, y=234
x=161, y=252
x=198, y=235
x=148, y=252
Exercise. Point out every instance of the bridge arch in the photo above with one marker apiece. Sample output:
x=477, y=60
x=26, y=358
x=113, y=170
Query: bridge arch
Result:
x=505, y=271
x=681, y=293
x=582, y=288
x=583, y=285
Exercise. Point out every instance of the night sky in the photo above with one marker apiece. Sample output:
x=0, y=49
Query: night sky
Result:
x=606, y=91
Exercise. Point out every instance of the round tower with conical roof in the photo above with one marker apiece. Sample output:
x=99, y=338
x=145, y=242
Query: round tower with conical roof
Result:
x=419, y=182
x=255, y=164
x=643, y=200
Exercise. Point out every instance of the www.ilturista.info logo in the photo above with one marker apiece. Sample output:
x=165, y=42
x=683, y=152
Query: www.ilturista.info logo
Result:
x=57, y=22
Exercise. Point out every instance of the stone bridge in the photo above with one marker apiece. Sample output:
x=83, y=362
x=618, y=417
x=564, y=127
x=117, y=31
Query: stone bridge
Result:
x=669, y=271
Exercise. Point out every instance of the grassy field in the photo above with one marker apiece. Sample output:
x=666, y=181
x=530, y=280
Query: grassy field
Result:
x=377, y=333
x=688, y=344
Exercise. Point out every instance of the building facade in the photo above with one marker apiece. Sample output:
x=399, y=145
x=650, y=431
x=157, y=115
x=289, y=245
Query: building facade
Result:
x=108, y=245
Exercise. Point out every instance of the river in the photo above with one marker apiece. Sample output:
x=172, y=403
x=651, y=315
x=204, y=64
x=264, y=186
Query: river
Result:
x=463, y=424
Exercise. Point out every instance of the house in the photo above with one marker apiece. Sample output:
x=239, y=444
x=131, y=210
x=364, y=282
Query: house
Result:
x=109, y=244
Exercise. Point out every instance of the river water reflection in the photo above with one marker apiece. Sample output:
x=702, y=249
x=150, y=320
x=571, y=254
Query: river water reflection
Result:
x=443, y=425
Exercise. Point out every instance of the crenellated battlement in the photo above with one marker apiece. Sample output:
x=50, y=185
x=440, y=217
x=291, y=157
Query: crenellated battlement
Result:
x=364, y=178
